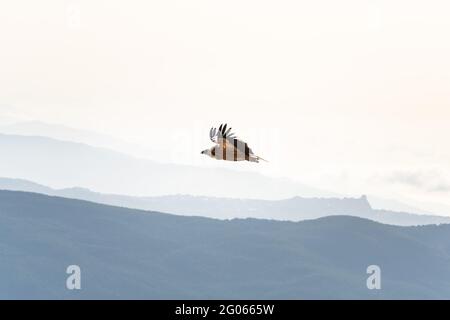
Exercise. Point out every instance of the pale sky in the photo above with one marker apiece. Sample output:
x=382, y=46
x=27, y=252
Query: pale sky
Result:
x=349, y=96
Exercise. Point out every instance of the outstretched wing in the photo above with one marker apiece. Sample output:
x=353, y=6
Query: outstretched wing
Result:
x=222, y=135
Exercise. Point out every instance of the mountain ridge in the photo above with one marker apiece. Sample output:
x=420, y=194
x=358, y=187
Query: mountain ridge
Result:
x=63, y=164
x=291, y=209
x=103, y=141
x=131, y=254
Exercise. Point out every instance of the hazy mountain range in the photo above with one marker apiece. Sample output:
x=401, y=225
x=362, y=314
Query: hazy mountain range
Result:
x=64, y=133
x=63, y=164
x=293, y=209
x=125, y=253
x=71, y=149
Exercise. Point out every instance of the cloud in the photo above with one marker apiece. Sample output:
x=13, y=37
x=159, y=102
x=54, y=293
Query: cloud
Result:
x=430, y=180
x=441, y=188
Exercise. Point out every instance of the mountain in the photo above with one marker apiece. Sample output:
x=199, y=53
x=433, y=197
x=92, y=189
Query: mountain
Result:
x=71, y=135
x=61, y=132
x=400, y=206
x=125, y=253
x=25, y=185
x=63, y=164
x=293, y=209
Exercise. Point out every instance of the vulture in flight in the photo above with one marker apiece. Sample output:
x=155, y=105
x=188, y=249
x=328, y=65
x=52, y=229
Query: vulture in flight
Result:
x=228, y=147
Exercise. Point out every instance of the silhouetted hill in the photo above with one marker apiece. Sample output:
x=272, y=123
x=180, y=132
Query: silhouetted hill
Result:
x=293, y=209
x=126, y=253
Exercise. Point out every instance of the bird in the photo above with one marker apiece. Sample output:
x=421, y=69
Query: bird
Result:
x=228, y=147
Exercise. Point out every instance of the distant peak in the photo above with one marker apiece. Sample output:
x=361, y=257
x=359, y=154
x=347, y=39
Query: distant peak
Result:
x=365, y=200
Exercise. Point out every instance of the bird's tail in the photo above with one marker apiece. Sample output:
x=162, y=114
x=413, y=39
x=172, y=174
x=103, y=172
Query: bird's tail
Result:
x=259, y=158
x=254, y=158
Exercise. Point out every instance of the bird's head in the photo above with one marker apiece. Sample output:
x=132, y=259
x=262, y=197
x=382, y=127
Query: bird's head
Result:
x=206, y=152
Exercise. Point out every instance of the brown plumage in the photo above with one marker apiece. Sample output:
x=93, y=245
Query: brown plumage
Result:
x=228, y=147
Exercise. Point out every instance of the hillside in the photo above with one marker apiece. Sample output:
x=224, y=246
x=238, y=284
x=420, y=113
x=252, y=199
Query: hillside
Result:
x=125, y=253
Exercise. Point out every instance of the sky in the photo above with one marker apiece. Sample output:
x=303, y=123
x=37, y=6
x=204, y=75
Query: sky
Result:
x=348, y=96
